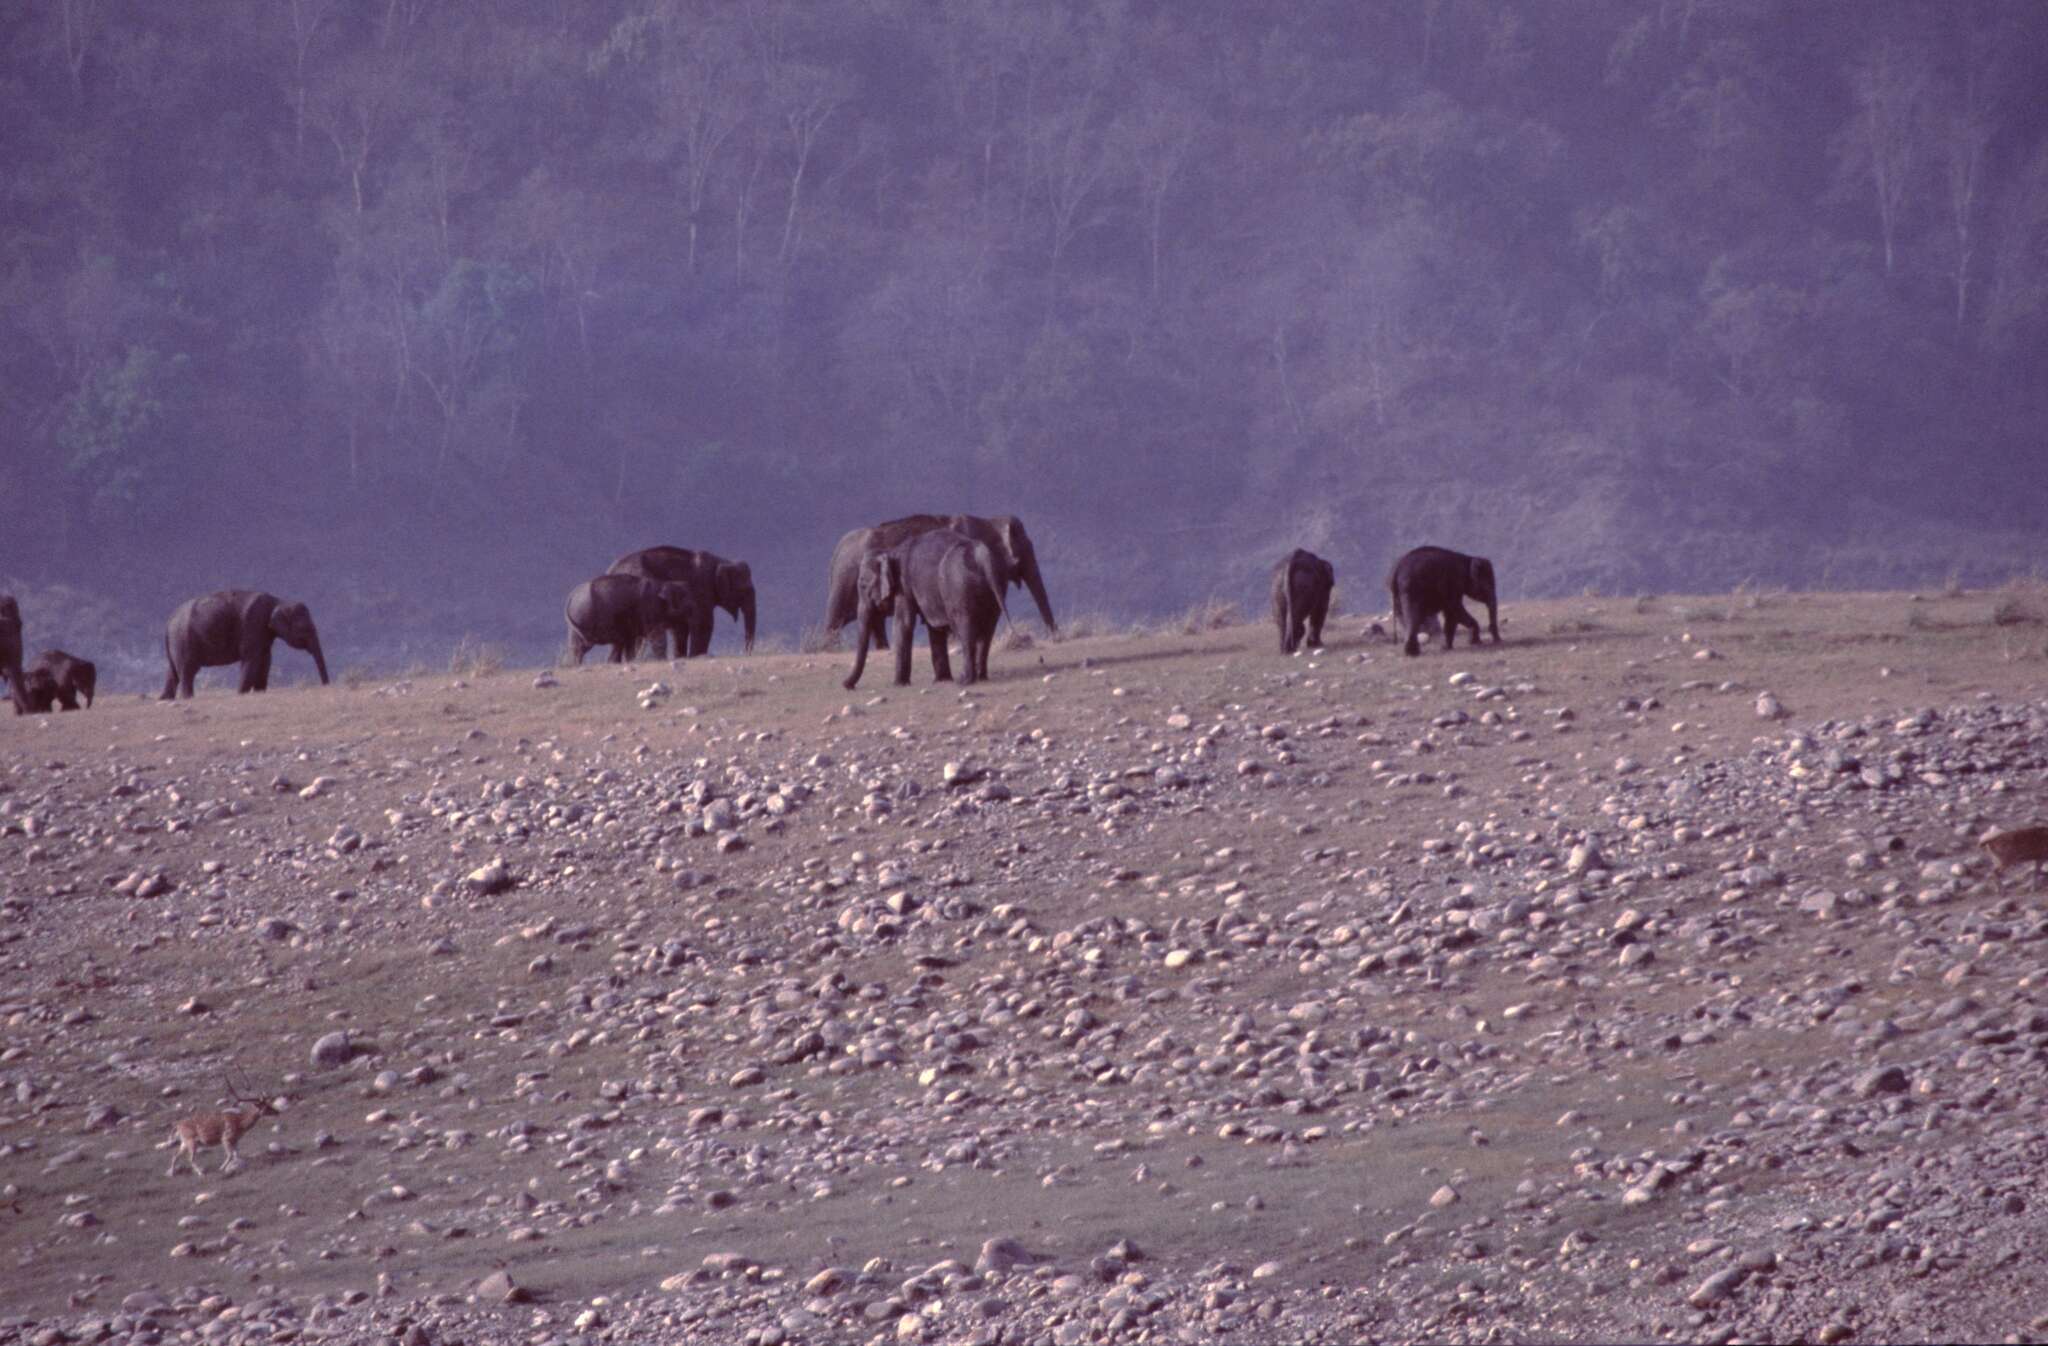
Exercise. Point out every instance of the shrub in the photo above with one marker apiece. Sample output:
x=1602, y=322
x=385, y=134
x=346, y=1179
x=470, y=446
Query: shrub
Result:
x=475, y=658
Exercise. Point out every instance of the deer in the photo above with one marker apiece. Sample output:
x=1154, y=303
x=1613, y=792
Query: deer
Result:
x=2016, y=846
x=207, y=1129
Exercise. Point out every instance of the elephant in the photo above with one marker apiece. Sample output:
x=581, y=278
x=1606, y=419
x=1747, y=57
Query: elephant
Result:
x=952, y=581
x=1301, y=595
x=10, y=652
x=1433, y=581
x=713, y=581
x=1003, y=534
x=38, y=691
x=60, y=678
x=235, y=626
x=623, y=610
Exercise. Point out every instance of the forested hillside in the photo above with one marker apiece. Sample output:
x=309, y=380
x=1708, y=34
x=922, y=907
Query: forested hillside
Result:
x=423, y=310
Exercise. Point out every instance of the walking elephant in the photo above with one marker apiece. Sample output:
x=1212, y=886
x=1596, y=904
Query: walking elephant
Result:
x=57, y=678
x=235, y=626
x=623, y=610
x=713, y=581
x=1003, y=534
x=950, y=581
x=10, y=652
x=1432, y=581
x=1301, y=597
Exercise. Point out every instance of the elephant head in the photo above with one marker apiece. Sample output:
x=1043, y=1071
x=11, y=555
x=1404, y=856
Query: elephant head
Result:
x=878, y=588
x=733, y=586
x=1020, y=563
x=669, y=604
x=293, y=624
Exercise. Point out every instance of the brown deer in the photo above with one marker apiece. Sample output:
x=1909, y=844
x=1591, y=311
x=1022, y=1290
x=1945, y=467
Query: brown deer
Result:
x=2016, y=846
x=206, y=1129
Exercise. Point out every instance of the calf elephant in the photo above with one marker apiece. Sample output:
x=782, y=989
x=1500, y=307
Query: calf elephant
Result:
x=1432, y=581
x=713, y=581
x=949, y=580
x=57, y=678
x=623, y=610
x=235, y=626
x=10, y=652
x=1003, y=534
x=1301, y=597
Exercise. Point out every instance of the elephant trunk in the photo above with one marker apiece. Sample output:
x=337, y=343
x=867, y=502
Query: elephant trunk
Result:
x=1036, y=585
x=747, y=619
x=319, y=659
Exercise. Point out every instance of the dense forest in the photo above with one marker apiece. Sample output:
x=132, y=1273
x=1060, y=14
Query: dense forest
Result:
x=424, y=310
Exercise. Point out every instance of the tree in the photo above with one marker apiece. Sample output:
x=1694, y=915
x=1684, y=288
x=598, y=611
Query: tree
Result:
x=1885, y=138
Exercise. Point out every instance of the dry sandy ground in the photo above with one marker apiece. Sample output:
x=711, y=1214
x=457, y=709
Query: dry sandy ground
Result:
x=1162, y=989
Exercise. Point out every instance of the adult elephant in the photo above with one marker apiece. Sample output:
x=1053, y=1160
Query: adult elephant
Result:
x=235, y=626
x=623, y=610
x=61, y=679
x=1432, y=581
x=1301, y=597
x=713, y=581
x=10, y=652
x=1002, y=534
x=950, y=581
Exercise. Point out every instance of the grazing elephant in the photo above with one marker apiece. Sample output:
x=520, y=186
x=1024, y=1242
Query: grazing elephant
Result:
x=235, y=626
x=1003, y=534
x=1301, y=595
x=63, y=679
x=623, y=610
x=952, y=582
x=713, y=581
x=10, y=652
x=1432, y=581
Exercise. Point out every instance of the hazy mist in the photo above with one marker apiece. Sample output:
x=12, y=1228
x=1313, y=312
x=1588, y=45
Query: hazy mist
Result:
x=422, y=312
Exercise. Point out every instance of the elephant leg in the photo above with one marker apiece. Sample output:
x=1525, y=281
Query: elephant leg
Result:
x=1280, y=618
x=700, y=634
x=1450, y=623
x=1411, y=617
x=170, y=692
x=1316, y=613
x=942, y=660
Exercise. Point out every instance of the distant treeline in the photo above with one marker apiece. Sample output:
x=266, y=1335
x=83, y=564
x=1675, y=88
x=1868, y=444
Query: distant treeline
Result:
x=422, y=310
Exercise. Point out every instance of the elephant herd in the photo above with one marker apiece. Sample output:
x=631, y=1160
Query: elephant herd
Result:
x=950, y=572
x=52, y=678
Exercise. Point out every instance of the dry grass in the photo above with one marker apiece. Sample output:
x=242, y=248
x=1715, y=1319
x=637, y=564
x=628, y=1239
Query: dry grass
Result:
x=474, y=658
x=1212, y=614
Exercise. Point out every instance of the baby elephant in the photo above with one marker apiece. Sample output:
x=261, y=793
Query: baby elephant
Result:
x=623, y=610
x=952, y=582
x=1301, y=597
x=55, y=678
x=1434, y=582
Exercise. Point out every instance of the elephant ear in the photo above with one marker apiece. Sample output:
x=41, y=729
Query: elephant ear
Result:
x=735, y=581
x=1481, y=571
x=892, y=575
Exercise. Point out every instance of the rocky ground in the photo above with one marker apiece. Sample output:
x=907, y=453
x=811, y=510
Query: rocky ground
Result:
x=1637, y=979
